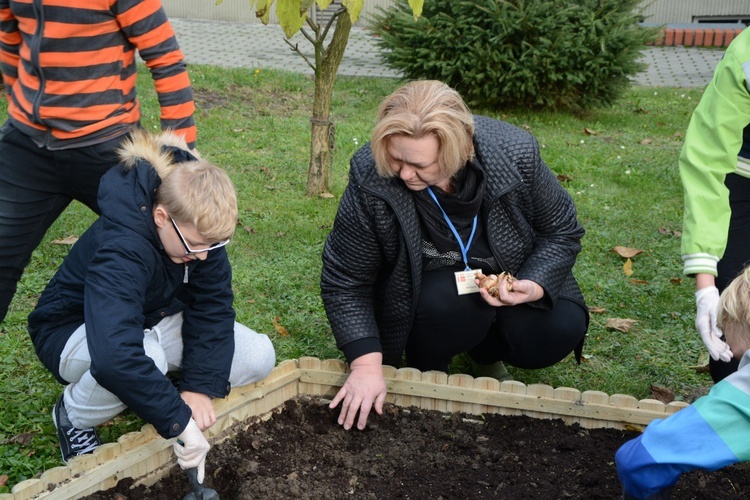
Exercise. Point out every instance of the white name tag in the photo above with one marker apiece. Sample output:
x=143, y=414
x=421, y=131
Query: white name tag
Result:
x=465, y=281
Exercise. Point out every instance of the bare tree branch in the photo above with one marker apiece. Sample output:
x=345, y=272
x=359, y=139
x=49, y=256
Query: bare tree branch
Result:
x=295, y=48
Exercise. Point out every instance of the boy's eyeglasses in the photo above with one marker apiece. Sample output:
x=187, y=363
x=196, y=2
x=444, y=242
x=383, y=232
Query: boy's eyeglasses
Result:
x=190, y=251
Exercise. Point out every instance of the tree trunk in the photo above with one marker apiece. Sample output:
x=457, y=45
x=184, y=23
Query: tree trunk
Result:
x=323, y=130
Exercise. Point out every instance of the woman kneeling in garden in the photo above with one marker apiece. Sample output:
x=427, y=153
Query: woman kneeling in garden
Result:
x=437, y=196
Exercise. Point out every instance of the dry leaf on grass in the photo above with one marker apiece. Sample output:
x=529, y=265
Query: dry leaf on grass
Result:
x=279, y=328
x=68, y=240
x=626, y=252
x=638, y=282
x=3, y=480
x=627, y=268
x=325, y=195
x=564, y=178
x=661, y=393
x=597, y=310
x=588, y=131
x=22, y=439
x=620, y=324
x=675, y=281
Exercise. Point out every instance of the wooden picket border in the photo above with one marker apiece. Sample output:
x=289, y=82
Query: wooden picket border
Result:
x=146, y=457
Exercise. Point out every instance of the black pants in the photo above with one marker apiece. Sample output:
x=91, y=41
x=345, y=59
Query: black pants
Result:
x=36, y=185
x=736, y=256
x=448, y=324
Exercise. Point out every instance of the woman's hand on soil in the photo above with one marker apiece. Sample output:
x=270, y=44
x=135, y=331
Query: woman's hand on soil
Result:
x=522, y=291
x=364, y=388
x=202, y=408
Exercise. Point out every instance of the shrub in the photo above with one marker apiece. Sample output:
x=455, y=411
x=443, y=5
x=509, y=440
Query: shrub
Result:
x=564, y=54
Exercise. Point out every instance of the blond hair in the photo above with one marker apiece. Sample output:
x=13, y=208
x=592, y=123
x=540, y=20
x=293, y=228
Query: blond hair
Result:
x=193, y=192
x=201, y=194
x=734, y=310
x=418, y=109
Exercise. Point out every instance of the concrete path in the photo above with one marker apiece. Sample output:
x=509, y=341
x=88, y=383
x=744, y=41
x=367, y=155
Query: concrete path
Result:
x=259, y=46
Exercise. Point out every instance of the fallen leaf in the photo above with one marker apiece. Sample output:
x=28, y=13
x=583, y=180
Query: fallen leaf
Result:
x=620, y=324
x=280, y=329
x=588, y=131
x=669, y=232
x=661, y=393
x=675, y=281
x=325, y=195
x=634, y=427
x=646, y=141
x=700, y=368
x=641, y=111
x=678, y=135
x=564, y=178
x=638, y=282
x=22, y=439
x=249, y=229
x=68, y=240
x=626, y=252
x=627, y=268
x=281, y=234
x=526, y=127
x=597, y=310
x=3, y=480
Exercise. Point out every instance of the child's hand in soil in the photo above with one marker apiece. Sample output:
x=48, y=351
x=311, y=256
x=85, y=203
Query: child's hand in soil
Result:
x=364, y=388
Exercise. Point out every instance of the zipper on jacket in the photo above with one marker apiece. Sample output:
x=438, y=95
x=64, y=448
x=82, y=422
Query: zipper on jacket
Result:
x=185, y=278
x=35, y=48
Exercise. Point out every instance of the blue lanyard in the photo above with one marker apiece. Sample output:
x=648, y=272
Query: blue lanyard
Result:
x=464, y=248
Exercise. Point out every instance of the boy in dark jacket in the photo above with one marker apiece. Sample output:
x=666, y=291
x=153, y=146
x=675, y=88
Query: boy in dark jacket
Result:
x=147, y=290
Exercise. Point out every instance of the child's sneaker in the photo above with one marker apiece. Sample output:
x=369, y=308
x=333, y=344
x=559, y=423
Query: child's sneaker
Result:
x=73, y=442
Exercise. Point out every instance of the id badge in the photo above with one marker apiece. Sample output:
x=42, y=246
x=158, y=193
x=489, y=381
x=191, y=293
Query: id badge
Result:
x=465, y=281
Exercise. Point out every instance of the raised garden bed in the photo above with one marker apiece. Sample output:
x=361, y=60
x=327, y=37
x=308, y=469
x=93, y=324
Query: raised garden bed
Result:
x=145, y=457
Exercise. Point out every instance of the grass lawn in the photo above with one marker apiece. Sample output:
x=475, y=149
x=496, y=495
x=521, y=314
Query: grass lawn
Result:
x=619, y=164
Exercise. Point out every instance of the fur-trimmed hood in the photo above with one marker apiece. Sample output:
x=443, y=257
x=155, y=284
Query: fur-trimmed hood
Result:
x=156, y=149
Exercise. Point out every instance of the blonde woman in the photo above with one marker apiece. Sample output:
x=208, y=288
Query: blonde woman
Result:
x=436, y=196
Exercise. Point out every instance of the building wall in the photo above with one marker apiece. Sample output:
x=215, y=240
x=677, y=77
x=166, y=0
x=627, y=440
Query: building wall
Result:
x=657, y=11
x=685, y=11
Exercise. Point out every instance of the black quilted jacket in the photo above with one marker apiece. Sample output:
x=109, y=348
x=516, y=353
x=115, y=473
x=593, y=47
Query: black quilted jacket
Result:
x=372, y=258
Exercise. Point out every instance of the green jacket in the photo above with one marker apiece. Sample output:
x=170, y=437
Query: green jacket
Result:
x=714, y=148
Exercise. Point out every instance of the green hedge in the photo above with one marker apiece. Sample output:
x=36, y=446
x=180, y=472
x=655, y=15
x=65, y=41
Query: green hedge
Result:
x=563, y=54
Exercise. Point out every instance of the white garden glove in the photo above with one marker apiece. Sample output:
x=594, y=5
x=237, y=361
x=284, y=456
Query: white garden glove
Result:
x=707, y=300
x=191, y=448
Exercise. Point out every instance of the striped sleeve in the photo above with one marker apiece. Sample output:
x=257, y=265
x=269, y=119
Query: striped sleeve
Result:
x=719, y=428
x=145, y=24
x=10, y=42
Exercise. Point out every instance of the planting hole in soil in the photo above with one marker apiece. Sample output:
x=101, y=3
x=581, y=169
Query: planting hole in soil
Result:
x=410, y=453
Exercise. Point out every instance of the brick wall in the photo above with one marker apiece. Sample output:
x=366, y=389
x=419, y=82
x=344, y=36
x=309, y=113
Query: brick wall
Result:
x=697, y=36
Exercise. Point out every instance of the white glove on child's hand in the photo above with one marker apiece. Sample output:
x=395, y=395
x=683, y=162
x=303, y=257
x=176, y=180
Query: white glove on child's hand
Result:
x=192, y=452
x=707, y=300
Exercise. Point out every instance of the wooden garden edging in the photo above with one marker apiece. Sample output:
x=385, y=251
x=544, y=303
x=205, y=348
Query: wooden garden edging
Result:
x=146, y=457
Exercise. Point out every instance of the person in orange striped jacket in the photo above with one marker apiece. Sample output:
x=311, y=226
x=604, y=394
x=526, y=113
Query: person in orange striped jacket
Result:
x=69, y=69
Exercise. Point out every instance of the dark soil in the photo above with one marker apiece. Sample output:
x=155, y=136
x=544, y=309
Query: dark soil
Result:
x=418, y=454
